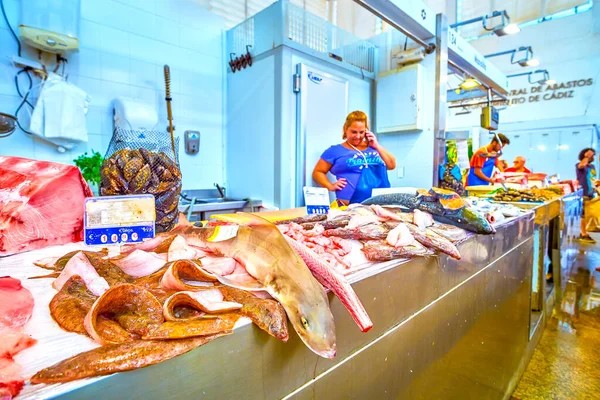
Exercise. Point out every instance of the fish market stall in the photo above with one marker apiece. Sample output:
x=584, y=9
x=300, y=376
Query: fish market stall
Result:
x=441, y=326
x=557, y=219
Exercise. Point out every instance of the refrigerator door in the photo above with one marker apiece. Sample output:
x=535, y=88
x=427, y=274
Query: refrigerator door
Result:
x=322, y=107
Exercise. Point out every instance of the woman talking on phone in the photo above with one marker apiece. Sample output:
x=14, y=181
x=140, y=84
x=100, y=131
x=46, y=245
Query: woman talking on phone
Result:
x=359, y=163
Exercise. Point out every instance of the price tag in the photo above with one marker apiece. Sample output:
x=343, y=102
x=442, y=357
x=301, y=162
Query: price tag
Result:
x=223, y=232
x=113, y=220
x=316, y=200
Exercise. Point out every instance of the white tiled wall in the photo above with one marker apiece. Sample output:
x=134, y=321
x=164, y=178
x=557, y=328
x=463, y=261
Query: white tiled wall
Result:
x=123, y=47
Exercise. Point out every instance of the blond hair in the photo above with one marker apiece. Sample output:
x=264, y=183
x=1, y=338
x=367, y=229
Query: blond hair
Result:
x=355, y=116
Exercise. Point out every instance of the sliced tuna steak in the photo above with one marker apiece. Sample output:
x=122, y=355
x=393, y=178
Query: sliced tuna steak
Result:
x=41, y=204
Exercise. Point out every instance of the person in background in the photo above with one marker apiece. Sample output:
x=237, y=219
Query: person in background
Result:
x=518, y=165
x=586, y=172
x=359, y=164
x=502, y=165
x=484, y=160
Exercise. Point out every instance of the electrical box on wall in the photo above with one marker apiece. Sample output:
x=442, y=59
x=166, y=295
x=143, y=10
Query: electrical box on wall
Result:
x=489, y=118
x=50, y=25
x=399, y=100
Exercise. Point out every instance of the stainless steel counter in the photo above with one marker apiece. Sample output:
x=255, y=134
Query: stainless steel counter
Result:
x=443, y=329
x=205, y=208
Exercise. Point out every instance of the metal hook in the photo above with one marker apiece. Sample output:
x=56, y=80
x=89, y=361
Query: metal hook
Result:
x=232, y=62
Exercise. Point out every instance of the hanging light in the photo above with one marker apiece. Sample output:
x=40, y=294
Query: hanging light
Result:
x=526, y=60
x=502, y=29
x=469, y=84
x=509, y=29
x=544, y=80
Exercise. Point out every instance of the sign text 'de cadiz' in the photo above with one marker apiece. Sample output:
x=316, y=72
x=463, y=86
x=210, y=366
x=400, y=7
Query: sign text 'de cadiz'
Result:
x=557, y=91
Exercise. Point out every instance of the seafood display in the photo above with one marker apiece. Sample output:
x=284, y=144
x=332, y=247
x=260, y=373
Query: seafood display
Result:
x=444, y=205
x=145, y=320
x=277, y=269
x=144, y=172
x=383, y=233
x=152, y=301
x=40, y=204
x=16, y=306
x=525, y=195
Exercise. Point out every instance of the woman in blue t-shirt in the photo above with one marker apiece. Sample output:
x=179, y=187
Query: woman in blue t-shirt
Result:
x=359, y=164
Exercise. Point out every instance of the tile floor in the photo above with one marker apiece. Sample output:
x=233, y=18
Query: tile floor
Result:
x=566, y=362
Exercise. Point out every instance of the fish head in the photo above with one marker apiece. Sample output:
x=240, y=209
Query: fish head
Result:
x=311, y=318
x=478, y=221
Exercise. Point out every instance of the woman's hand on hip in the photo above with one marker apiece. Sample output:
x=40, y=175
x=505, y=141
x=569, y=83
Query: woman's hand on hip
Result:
x=370, y=136
x=338, y=185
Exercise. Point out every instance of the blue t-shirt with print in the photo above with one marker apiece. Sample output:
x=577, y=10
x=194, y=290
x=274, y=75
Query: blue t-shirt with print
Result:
x=348, y=163
x=585, y=176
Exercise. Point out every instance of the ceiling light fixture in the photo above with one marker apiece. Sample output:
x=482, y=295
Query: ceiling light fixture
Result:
x=509, y=29
x=526, y=60
x=502, y=29
x=544, y=80
x=469, y=84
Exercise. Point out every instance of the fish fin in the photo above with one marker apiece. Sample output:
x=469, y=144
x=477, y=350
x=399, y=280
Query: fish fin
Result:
x=243, y=218
x=183, y=221
x=255, y=220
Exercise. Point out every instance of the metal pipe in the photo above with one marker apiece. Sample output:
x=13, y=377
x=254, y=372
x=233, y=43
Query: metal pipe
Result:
x=522, y=48
x=539, y=71
x=441, y=77
x=467, y=22
x=481, y=103
x=429, y=47
x=470, y=21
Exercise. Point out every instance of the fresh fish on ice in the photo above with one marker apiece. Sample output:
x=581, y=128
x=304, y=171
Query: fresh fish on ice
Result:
x=442, y=210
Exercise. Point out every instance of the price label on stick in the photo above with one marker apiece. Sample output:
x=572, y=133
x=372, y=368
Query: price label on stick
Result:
x=316, y=200
x=112, y=220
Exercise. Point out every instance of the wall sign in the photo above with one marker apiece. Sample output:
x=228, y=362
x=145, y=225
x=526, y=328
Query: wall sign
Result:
x=539, y=93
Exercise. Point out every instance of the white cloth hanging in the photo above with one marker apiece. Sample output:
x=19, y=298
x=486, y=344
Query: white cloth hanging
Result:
x=60, y=111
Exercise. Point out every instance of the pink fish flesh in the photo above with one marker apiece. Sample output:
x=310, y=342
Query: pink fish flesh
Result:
x=362, y=220
x=209, y=300
x=334, y=281
x=218, y=265
x=179, y=250
x=138, y=263
x=400, y=236
x=422, y=219
x=80, y=265
x=41, y=204
x=388, y=215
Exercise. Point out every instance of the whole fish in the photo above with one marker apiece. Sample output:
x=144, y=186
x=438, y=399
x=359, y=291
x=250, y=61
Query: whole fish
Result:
x=365, y=232
x=431, y=239
x=266, y=255
x=464, y=218
x=108, y=359
x=452, y=233
x=379, y=250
